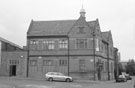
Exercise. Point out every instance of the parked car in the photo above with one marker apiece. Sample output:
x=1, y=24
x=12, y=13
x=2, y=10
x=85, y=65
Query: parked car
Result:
x=121, y=78
x=128, y=77
x=53, y=76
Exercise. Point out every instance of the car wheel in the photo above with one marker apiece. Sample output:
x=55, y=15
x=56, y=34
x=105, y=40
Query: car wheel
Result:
x=68, y=80
x=50, y=79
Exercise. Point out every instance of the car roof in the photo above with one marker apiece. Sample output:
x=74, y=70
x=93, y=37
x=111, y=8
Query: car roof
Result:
x=53, y=73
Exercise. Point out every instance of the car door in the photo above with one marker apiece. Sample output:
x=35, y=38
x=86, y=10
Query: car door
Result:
x=61, y=77
x=55, y=76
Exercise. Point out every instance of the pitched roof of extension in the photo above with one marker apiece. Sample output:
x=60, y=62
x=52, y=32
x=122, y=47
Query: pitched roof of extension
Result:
x=6, y=41
x=58, y=27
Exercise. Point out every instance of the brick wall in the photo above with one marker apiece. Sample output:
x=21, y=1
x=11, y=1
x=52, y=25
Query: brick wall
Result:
x=21, y=67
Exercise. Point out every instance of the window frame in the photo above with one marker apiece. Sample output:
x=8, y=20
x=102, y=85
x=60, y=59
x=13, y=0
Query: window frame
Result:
x=33, y=62
x=49, y=44
x=63, y=62
x=48, y=62
x=63, y=44
x=82, y=43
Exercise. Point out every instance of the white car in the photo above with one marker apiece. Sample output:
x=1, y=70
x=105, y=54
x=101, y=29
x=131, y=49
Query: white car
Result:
x=51, y=76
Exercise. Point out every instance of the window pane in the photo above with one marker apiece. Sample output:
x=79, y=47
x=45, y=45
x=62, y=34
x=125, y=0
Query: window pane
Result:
x=62, y=62
x=47, y=62
x=63, y=44
x=81, y=43
x=33, y=62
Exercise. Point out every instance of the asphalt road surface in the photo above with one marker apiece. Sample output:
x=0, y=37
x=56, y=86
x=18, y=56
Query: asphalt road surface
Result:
x=28, y=83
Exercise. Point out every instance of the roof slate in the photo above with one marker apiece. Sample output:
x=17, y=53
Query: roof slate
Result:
x=60, y=27
x=106, y=36
x=51, y=27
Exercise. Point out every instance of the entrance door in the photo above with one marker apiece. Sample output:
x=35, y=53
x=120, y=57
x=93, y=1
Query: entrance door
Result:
x=12, y=70
x=99, y=73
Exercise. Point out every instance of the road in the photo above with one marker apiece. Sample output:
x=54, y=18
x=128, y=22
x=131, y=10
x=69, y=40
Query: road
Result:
x=28, y=83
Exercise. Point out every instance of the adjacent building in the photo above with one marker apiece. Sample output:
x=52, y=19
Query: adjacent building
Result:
x=74, y=47
x=12, y=59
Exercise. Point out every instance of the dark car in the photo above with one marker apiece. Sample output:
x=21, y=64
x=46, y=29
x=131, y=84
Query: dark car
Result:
x=121, y=78
x=128, y=77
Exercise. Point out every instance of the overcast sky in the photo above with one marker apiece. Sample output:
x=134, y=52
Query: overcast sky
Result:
x=115, y=15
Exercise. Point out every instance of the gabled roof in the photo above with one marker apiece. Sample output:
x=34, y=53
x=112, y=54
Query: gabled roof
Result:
x=6, y=41
x=61, y=27
x=92, y=24
x=107, y=36
x=57, y=27
x=42, y=28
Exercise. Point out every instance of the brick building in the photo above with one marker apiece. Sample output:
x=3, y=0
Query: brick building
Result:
x=13, y=59
x=74, y=47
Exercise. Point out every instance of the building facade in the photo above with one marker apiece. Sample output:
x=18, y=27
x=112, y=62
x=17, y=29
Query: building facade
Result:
x=74, y=47
x=12, y=59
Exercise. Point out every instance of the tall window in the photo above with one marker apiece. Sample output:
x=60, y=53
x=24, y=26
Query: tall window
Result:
x=97, y=44
x=106, y=49
x=63, y=44
x=111, y=51
x=33, y=44
x=49, y=44
x=111, y=66
x=33, y=62
x=13, y=62
x=106, y=65
x=47, y=62
x=82, y=65
x=63, y=62
x=81, y=43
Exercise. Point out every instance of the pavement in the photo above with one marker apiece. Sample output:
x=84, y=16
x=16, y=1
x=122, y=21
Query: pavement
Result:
x=76, y=81
x=23, y=82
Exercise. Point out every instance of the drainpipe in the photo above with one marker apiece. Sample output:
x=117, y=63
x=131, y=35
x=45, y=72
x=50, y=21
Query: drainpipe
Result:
x=108, y=61
x=27, y=74
x=116, y=61
x=94, y=55
x=68, y=56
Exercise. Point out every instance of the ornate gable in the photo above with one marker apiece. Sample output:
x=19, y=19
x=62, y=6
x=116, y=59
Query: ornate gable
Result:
x=97, y=29
x=110, y=37
x=80, y=29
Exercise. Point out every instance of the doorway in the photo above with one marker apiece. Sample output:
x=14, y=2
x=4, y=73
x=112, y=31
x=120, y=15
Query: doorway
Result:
x=99, y=73
x=12, y=70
